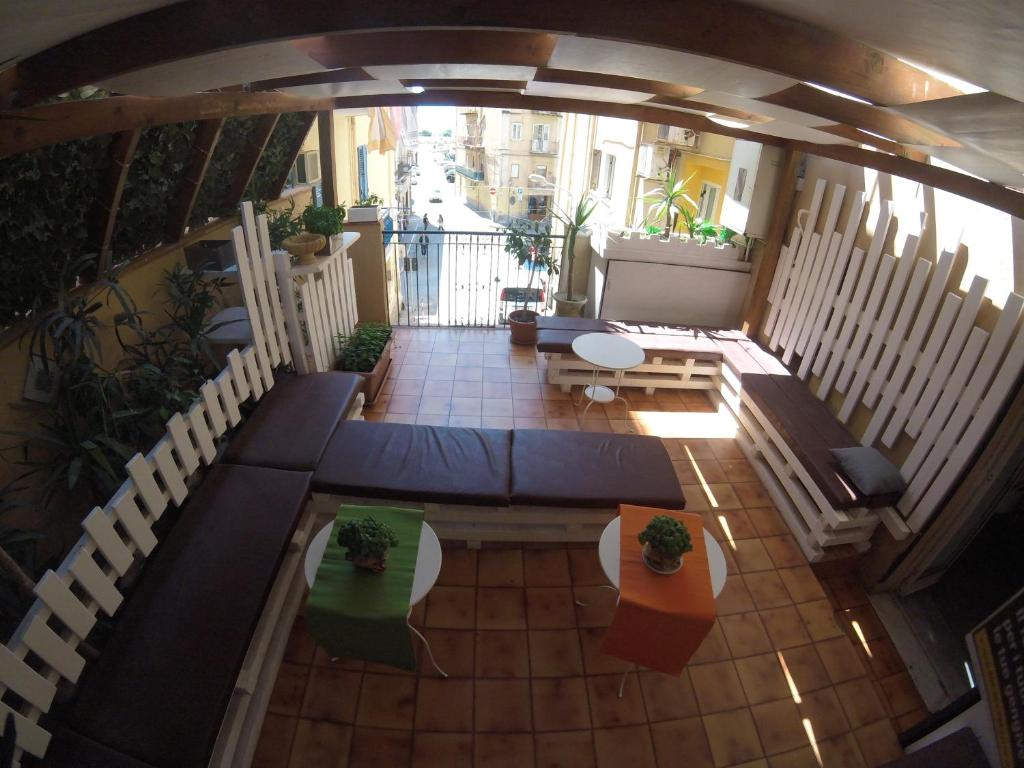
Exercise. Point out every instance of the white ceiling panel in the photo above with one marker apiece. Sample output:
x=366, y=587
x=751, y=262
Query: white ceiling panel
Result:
x=797, y=132
x=756, y=107
x=613, y=58
x=359, y=88
x=217, y=70
x=29, y=26
x=453, y=71
x=587, y=92
x=977, y=164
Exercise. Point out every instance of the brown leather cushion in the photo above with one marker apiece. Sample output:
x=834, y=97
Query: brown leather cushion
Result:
x=592, y=469
x=72, y=750
x=584, y=324
x=691, y=344
x=451, y=465
x=159, y=690
x=960, y=749
x=294, y=420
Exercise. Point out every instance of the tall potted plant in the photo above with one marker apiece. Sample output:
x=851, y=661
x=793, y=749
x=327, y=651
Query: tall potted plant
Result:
x=669, y=201
x=530, y=246
x=567, y=302
x=325, y=220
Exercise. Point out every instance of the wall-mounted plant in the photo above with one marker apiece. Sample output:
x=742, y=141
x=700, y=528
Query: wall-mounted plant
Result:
x=665, y=541
x=367, y=542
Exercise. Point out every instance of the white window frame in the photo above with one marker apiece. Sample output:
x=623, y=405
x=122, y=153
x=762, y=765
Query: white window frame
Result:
x=608, y=174
x=702, y=200
x=513, y=172
x=516, y=131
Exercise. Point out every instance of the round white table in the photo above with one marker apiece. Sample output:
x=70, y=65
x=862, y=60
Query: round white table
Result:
x=428, y=568
x=606, y=352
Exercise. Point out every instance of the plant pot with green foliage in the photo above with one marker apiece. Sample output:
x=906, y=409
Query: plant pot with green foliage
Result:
x=367, y=209
x=530, y=246
x=665, y=541
x=325, y=220
x=568, y=303
x=367, y=352
x=367, y=542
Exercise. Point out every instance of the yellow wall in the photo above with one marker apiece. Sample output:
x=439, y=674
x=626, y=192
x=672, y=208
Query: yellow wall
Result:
x=705, y=169
x=351, y=131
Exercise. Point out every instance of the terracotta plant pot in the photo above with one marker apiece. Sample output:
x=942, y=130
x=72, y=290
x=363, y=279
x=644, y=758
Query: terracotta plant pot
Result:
x=374, y=380
x=566, y=307
x=523, y=325
x=660, y=563
x=304, y=246
x=368, y=563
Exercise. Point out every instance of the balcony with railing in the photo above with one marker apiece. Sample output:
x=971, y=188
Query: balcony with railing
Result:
x=473, y=174
x=543, y=147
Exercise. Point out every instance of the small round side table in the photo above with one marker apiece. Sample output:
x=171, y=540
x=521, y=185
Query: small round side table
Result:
x=606, y=352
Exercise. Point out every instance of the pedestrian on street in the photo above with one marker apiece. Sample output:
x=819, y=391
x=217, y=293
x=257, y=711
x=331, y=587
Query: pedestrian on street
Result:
x=426, y=222
x=440, y=221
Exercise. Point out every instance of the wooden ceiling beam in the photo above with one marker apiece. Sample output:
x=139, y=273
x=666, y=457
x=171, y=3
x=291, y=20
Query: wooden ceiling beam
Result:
x=122, y=152
x=618, y=82
x=892, y=147
x=277, y=186
x=754, y=37
x=250, y=158
x=699, y=106
x=486, y=85
x=343, y=75
x=203, y=144
x=328, y=156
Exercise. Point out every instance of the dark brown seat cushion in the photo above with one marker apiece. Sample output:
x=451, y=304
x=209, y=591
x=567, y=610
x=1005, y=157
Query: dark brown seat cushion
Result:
x=68, y=748
x=294, y=420
x=592, y=469
x=451, y=465
x=691, y=344
x=160, y=689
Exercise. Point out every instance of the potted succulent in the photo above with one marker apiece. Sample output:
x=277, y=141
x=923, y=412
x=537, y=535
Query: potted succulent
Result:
x=530, y=246
x=367, y=352
x=665, y=541
x=325, y=220
x=567, y=302
x=365, y=209
x=367, y=543
x=670, y=200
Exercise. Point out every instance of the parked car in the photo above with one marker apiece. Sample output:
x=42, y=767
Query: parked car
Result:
x=512, y=299
x=450, y=177
x=435, y=196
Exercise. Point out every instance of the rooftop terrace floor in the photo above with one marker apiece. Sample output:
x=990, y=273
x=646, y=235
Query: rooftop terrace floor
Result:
x=798, y=670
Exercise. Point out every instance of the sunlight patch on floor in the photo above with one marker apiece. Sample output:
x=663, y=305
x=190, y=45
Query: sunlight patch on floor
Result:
x=720, y=424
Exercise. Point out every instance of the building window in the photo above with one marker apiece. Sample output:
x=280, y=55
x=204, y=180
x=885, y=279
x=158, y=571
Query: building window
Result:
x=536, y=207
x=514, y=172
x=609, y=174
x=363, y=172
x=517, y=131
x=541, y=170
x=709, y=194
x=595, y=170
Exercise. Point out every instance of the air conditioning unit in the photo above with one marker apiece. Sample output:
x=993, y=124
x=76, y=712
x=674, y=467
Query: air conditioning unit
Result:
x=684, y=137
x=653, y=160
x=307, y=167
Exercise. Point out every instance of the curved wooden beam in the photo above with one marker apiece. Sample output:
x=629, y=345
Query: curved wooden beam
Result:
x=724, y=29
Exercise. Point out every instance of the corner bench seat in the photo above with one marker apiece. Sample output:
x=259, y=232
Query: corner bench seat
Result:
x=294, y=420
x=556, y=335
x=159, y=691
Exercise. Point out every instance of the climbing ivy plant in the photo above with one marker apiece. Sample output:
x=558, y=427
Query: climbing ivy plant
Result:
x=212, y=200
x=153, y=177
x=277, y=156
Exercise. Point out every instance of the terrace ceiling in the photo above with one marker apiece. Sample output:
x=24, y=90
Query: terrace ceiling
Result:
x=664, y=61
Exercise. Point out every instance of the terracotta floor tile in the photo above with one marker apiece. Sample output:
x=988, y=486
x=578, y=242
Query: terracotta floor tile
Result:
x=710, y=470
x=798, y=758
x=375, y=747
x=682, y=742
x=766, y=589
x=332, y=695
x=497, y=407
x=901, y=693
x=528, y=409
x=440, y=372
x=451, y=607
x=569, y=749
x=530, y=423
x=554, y=392
x=785, y=627
x=607, y=709
x=495, y=361
x=496, y=374
x=624, y=747
x=752, y=495
x=598, y=606
x=823, y=709
x=418, y=372
x=842, y=752
x=458, y=567
x=885, y=660
x=550, y=608
x=467, y=406
x=435, y=405
x=768, y=521
x=466, y=389
x=503, y=750
x=497, y=422
x=732, y=737
x=734, y=597
x=595, y=662
x=289, y=689
x=734, y=524
x=870, y=625
x=546, y=567
x=500, y=568
x=910, y=719
x=805, y=668
x=387, y=701
x=560, y=704
x=318, y=742
x=444, y=705
x=453, y=650
x=784, y=551
x=433, y=419
x=301, y=646
x=595, y=425
x=763, y=678
x=780, y=726
x=840, y=659
x=801, y=583
x=441, y=750
x=275, y=742
x=442, y=389
x=585, y=567
x=667, y=697
x=737, y=470
x=717, y=687
x=722, y=496
x=818, y=617
x=469, y=373
x=403, y=404
x=323, y=659
x=860, y=702
x=555, y=653
x=416, y=358
x=714, y=648
x=400, y=418
x=847, y=591
x=745, y=634
x=501, y=390
x=502, y=654
x=685, y=472
x=500, y=608
x=751, y=555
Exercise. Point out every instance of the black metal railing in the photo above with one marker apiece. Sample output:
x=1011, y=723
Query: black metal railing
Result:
x=464, y=279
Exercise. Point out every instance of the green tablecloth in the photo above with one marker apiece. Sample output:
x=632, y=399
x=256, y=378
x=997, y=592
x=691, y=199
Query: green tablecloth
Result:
x=358, y=614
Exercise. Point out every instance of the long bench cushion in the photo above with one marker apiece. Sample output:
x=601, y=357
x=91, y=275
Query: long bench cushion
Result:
x=693, y=344
x=72, y=749
x=294, y=420
x=452, y=465
x=592, y=469
x=160, y=689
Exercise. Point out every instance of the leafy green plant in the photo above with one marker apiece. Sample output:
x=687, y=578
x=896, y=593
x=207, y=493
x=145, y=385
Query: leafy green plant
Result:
x=367, y=542
x=18, y=564
x=530, y=246
x=574, y=223
x=690, y=221
x=277, y=157
x=666, y=535
x=281, y=223
x=366, y=202
x=211, y=201
x=324, y=219
x=361, y=351
x=669, y=200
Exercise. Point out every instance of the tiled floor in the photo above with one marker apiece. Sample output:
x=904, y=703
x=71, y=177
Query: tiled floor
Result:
x=796, y=672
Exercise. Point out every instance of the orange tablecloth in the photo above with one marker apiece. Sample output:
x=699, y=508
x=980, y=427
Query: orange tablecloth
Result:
x=660, y=620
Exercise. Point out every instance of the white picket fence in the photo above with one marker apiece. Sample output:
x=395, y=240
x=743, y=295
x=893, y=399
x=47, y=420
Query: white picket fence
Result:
x=889, y=335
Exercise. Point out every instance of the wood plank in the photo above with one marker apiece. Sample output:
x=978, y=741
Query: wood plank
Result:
x=141, y=473
x=273, y=291
x=108, y=200
x=259, y=314
x=24, y=681
x=250, y=158
x=100, y=528
x=328, y=152
x=210, y=394
x=56, y=595
x=53, y=649
x=203, y=144
x=173, y=478
x=184, y=448
x=253, y=371
x=618, y=82
x=246, y=278
x=127, y=511
x=823, y=305
x=201, y=429
x=227, y=396
x=93, y=580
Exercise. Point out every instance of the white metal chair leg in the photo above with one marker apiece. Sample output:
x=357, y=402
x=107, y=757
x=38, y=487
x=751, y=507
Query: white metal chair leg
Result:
x=581, y=604
x=430, y=653
x=622, y=683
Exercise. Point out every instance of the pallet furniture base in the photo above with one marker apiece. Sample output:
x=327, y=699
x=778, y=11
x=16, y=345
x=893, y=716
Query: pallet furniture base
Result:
x=655, y=373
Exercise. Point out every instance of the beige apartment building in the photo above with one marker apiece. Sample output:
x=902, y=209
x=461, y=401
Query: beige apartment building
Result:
x=506, y=161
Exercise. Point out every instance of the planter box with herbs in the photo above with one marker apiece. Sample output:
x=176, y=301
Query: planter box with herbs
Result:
x=367, y=352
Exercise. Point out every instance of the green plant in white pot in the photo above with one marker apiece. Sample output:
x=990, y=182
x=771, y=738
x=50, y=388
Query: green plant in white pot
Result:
x=665, y=541
x=669, y=201
x=568, y=303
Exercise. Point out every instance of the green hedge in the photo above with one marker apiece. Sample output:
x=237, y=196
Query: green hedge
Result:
x=277, y=157
x=212, y=203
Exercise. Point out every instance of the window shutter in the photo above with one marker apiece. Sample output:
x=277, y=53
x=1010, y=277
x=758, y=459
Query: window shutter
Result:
x=364, y=183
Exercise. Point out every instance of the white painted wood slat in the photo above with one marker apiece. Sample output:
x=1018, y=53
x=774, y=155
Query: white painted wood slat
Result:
x=20, y=678
x=100, y=527
x=141, y=473
x=55, y=594
x=245, y=277
x=274, y=295
x=51, y=648
x=91, y=577
x=127, y=511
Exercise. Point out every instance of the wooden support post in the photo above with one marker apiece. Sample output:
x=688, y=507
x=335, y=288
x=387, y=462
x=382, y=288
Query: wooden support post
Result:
x=277, y=186
x=247, y=163
x=754, y=312
x=205, y=141
x=122, y=152
x=328, y=182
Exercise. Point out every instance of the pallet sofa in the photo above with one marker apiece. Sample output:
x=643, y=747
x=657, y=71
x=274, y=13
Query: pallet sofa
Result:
x=186, y=674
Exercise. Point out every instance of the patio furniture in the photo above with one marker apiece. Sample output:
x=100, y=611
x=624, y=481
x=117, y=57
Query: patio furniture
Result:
x=428, y=568
x=609, y=352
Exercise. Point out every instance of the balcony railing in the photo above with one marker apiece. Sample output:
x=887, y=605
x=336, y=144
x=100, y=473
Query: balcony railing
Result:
x=543, y=147
x=471, y=140
x=470, y=173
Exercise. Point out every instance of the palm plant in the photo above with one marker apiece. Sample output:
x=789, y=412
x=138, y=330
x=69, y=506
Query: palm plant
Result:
x=573, y=224
x=669, y=200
